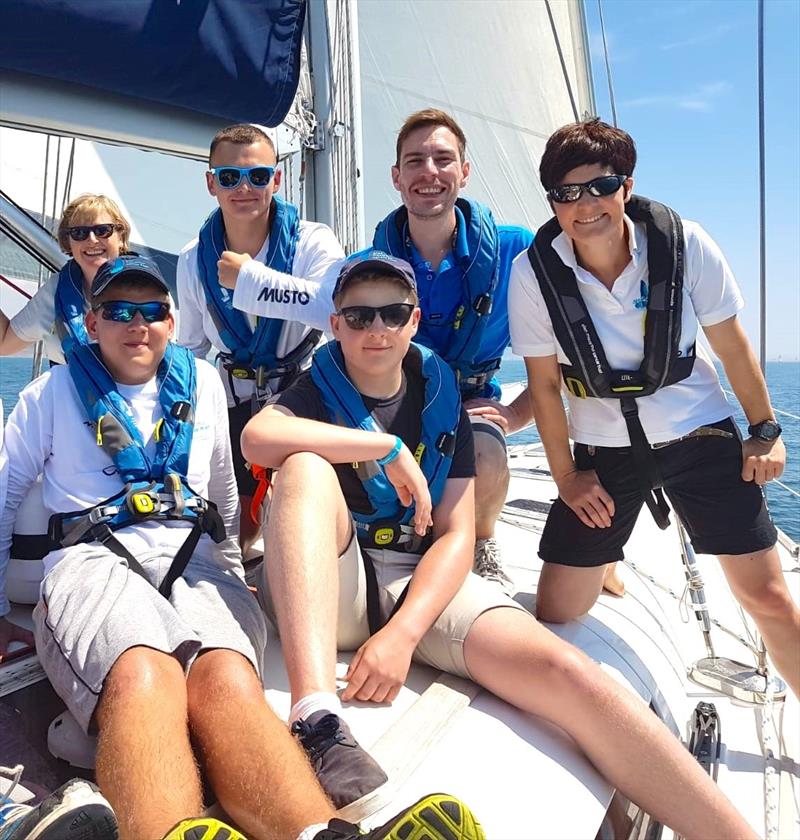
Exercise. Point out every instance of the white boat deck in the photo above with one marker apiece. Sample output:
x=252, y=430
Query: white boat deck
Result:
x=526, y=779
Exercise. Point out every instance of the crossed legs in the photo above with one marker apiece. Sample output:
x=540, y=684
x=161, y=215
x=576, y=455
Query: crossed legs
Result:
x=511, y=655
x=145, y=762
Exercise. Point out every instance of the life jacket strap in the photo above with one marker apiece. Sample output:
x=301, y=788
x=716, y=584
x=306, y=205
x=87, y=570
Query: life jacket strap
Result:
x=374, y=619
x=263, y=476
x=385, y=533
x=645, y=468
x=96, y=524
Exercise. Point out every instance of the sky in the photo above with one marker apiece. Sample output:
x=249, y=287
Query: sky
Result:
x=685, y=78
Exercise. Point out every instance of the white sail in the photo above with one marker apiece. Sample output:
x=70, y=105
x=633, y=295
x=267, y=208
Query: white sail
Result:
x=493, y=64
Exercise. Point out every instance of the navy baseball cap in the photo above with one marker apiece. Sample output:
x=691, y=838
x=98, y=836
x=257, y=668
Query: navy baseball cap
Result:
x=376, y=261
x=128, y=267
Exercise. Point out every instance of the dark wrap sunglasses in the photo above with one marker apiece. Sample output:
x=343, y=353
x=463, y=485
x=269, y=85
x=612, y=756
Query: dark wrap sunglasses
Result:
x=393, y=315
x=124, y=311
x=80, y=233
x=604, y=185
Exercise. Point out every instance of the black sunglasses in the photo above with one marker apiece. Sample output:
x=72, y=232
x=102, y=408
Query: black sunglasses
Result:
x=124, y=311
x=604, y=185
x=81, y=232
x=393, y=315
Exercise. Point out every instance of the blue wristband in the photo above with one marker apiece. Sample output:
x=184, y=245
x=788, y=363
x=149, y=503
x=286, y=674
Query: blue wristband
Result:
x=387, y=459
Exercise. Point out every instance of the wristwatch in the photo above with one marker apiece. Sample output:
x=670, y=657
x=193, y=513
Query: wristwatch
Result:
x=766, y=430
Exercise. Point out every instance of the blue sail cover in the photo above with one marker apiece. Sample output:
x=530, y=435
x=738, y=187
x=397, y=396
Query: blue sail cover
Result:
x=237, y=60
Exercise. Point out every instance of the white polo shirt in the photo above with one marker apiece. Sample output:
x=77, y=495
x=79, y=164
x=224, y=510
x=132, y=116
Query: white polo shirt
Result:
x=710, y=295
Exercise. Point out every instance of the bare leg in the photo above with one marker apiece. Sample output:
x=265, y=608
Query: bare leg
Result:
x=612, y=582
x=491, y=483
x=145, y=765
x=759, y=586
x=248, y=530
x=309, y=527
x=257, y=770
x=511, y=655
x=565, y=592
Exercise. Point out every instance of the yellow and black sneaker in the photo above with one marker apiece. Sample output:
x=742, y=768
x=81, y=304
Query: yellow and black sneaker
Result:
x=436, y=817
x=203, y=828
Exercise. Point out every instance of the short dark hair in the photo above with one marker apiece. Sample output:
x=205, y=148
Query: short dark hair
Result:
x=243, y=134
x=371, y=277
x=432, y=117
x=586, y=142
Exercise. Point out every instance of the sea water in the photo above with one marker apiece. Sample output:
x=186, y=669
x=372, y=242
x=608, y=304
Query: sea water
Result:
x=783, y=379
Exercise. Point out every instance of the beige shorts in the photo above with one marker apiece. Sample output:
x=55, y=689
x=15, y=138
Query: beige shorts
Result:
x=442, y=646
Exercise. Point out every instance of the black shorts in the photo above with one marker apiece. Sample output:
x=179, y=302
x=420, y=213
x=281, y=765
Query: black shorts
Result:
x=722, y=513
x=237, y=418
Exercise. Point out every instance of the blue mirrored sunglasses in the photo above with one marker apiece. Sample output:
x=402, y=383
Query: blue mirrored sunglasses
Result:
x=229, y=177
x=124, y=311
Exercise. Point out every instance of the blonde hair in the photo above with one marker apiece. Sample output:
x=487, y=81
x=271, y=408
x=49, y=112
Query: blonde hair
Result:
x=85, y=208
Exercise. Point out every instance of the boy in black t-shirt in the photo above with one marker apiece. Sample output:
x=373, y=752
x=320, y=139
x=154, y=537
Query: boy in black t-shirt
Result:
x=426, y=602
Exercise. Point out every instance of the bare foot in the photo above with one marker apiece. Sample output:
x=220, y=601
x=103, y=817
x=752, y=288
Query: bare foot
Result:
x=612, y=582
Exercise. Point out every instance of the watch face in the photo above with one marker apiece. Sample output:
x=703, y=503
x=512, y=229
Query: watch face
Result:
x=769, y=430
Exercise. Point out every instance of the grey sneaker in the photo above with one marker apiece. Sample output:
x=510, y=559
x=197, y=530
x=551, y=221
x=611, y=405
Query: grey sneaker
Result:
x=344, y=769
x=76, y=811
x=486, y=563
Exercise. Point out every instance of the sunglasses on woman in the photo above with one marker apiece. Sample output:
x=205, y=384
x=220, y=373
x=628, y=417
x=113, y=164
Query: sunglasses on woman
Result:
x=80, y=233
x=604, y=185
x=393, y=315
x=229, y=177
x=124, y=311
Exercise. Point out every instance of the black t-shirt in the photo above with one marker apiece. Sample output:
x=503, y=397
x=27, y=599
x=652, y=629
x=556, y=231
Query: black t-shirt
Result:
x=399, y=415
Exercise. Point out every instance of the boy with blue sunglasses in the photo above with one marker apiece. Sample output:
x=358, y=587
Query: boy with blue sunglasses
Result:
x=253, y=233
x=157, y=671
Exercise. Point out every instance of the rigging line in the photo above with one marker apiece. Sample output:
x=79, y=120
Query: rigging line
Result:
x=776, y=410
x=561, y=59
x=762, y=198
x=786, y=487
x=608, y=64
x=53, y=222
x=14, y=286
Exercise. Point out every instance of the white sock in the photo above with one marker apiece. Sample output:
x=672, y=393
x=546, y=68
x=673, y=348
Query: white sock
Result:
x=317, y=702
x=312, y=831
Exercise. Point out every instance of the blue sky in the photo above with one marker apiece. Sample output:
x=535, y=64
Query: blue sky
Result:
x=685, y=79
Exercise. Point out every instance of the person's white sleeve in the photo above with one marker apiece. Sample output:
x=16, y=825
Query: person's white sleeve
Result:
x=528, y=319
x=306, y=295
x=222, y=489
x=26, y=447
x=192, y=303
x=712, y=287
x=36, y=319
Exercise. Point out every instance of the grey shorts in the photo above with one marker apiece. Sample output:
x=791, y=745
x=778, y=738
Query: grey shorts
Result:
x=93, y=609
x=442, y=646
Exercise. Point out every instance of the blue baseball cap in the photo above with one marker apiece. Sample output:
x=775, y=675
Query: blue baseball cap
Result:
x=128, y=267
x=379, y=262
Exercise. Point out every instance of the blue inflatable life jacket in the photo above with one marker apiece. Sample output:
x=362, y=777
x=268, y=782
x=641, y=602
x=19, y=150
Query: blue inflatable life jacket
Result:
x=480, y=272
x=69, y=306
x=388, y=525
x=252, y=350
x=155, y=488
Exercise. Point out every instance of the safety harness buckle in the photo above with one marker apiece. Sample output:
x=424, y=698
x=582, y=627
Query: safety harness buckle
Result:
x=143, y=503
x=482, y=305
